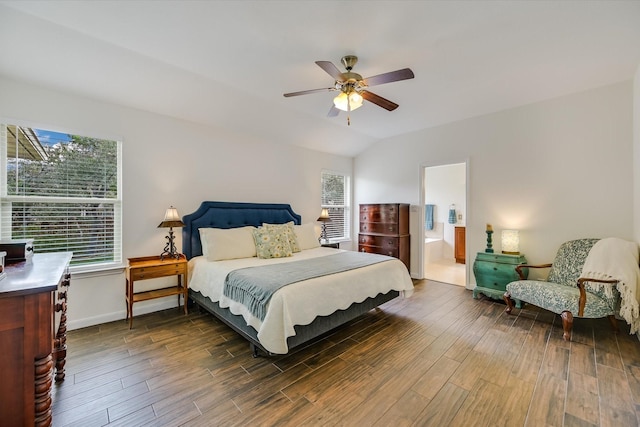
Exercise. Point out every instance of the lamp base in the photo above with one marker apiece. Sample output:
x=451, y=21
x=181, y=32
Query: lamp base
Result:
x=170, y=250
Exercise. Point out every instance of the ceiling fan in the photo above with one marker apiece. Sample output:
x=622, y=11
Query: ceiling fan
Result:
x=353, y=87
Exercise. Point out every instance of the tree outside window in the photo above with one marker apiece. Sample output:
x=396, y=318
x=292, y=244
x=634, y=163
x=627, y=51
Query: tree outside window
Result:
x=63, y=191
x=335, y=197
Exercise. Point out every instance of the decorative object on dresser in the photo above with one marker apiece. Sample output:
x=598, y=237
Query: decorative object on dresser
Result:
x=2, y=273
x=17, y=249
x=171, y=219
x=459, y=247
x=494, y=271
x=489, y=248
x=154, y=267
x=30, y=295
x=511, y=242
x=384, y=229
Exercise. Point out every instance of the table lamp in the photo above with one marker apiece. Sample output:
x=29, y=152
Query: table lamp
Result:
x=171, y=219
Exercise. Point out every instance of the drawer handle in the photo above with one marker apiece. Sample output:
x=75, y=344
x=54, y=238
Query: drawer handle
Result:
x=364, y=218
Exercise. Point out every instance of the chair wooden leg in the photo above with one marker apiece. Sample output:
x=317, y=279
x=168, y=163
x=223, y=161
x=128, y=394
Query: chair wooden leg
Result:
x=507, y=298
x=614, y=323
x=567, y=325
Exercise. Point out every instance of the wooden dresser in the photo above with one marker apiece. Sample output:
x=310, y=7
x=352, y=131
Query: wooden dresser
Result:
x=384, y=229
x=30, y=295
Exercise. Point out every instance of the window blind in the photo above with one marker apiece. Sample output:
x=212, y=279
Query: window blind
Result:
x=62, y=191
x=335, y=197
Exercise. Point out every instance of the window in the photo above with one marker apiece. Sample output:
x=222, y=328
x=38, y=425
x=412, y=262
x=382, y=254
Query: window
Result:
x=335, y=197
x=62, y=191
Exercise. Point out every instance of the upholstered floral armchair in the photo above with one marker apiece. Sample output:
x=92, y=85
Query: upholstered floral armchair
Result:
x=565, y=292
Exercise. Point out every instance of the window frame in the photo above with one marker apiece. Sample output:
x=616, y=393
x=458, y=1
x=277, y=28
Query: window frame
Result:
x=346, y=236
x=7, y=200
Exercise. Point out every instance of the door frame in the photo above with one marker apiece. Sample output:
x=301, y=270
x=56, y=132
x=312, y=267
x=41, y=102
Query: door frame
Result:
x=421, y=233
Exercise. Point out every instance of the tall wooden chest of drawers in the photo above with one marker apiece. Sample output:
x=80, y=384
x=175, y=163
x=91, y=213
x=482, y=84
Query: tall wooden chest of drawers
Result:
x=32, y=338
x=384, y=229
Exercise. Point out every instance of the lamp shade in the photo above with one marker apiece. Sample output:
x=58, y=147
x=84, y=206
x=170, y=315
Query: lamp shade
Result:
x=324, y=216
x=171, y=219
x=510, y=242
x=348, y=101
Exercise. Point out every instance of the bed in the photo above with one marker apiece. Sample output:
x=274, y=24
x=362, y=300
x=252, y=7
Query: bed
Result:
x=215, y=242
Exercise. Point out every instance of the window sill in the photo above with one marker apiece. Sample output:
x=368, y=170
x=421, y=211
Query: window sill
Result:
x=88, y=271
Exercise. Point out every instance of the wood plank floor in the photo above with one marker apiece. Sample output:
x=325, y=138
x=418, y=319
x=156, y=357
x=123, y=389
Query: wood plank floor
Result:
x=439, y=358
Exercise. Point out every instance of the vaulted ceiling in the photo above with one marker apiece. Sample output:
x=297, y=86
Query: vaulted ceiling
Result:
x=226, y=64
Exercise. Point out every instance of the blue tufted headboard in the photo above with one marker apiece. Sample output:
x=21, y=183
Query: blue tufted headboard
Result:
x=231, y=215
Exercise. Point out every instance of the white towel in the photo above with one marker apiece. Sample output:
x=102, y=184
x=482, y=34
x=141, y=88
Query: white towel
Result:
x=617, y=259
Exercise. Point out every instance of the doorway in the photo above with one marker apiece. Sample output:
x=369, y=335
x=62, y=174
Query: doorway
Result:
x=444, y=204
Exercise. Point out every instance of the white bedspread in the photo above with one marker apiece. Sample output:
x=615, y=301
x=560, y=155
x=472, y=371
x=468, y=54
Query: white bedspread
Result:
x=299, y=303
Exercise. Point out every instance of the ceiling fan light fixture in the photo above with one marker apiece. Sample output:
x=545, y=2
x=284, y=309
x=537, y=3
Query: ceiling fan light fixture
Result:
x=348, y=102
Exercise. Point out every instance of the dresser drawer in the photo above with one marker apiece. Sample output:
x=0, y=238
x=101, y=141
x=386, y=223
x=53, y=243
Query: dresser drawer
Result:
x=378, y=227
x=380, y=241
x=494, y=275
x=379, y=213
x=393, y=252
x=142, y=273
x=501, y=258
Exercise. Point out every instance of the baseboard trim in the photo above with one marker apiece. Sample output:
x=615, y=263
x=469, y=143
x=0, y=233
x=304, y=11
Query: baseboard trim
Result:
x=138, y=309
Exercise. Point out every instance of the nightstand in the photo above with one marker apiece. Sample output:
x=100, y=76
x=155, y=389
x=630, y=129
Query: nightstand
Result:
x=494, y=271
x=330, y=245
x=153, y=267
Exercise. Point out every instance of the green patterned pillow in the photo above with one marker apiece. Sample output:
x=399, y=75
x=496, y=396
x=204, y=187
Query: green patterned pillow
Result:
x=289, y=231
x=271, y=243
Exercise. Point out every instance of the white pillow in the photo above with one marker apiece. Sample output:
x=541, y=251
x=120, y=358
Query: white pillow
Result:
x=227, y=243
x=307, y=236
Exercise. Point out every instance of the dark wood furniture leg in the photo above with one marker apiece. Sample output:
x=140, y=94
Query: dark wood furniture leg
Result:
x=567, y=324
x=614, y=323
x=60, y=341
x=509, y=301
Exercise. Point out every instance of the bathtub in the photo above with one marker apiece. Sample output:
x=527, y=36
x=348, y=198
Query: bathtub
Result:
x=432, y=249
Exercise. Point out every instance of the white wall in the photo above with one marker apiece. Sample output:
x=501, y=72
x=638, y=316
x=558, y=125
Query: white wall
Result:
x=636, y=154
x=168, y=162
x=555, y=170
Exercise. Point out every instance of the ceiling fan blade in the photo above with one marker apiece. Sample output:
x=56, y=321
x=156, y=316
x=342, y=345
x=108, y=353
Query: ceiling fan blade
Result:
x=389, y=77
x=331, y=69
x=333, y=112
x=306, y=92
x=378, y=100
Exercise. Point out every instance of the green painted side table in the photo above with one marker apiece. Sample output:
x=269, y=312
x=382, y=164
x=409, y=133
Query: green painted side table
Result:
x=494, y=271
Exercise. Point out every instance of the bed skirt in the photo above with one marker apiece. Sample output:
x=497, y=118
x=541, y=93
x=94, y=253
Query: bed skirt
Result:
x=304, y=333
